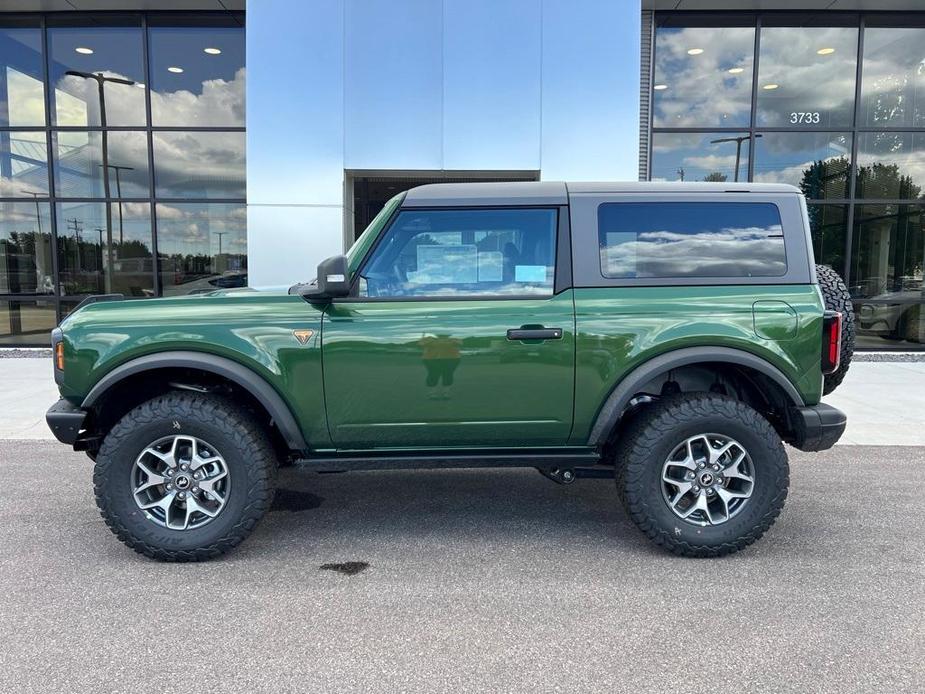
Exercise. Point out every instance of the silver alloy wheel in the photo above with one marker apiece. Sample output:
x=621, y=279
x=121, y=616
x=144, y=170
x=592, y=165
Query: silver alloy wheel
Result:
x=708, y=479
x=180, y=482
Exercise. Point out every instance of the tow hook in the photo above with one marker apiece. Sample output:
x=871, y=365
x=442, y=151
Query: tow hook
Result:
x=559, y=475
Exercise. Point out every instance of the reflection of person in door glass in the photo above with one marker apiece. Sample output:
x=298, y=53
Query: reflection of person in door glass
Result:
x=441, y=358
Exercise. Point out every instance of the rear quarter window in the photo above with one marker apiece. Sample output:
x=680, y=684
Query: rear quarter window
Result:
x=691, y=239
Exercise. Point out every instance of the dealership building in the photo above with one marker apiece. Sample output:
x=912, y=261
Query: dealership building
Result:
x=163, y=148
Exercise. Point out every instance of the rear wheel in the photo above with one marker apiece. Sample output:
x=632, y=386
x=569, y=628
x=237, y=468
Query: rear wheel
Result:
x=702, y=474
x=184, y=477
x=837, y=298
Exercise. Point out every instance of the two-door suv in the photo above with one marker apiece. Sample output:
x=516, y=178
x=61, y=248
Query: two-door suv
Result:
x=669, y=336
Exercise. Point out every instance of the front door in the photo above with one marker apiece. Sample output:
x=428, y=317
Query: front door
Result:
x=456, y=337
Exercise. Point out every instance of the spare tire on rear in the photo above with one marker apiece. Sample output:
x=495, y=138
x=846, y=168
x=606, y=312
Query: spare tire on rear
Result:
x=836, y=297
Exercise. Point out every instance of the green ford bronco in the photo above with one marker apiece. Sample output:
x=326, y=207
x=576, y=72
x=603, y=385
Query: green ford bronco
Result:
x=669, y=336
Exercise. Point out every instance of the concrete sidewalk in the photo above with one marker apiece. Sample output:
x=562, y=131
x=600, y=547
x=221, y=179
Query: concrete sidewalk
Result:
x=885, y=401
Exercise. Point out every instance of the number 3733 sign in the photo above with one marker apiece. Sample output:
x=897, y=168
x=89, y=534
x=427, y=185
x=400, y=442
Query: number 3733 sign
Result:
x=807, y=117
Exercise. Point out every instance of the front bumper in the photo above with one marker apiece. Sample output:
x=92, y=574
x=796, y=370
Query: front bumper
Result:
x=816, y=428
x=65, y=421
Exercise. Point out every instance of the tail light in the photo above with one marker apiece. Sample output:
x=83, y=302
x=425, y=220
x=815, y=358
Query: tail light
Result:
x=831, y=341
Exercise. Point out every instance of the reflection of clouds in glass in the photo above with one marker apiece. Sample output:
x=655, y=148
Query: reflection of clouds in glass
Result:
x=700, y=89
x=188, y=228
x=199, y=164
x=696, y=156
x=807, y=81
x=893, y=77
x=220, y=104
x=729, y=252
x=25, y=98
x=787, y=157
x=79, y=159
x=23, y=165
x=77, y=101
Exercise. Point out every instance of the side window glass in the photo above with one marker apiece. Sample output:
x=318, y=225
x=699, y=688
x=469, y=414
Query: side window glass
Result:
x=464, y=252
x=691, y=239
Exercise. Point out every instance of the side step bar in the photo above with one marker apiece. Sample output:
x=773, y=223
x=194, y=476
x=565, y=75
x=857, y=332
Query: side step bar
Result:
x=450, y=459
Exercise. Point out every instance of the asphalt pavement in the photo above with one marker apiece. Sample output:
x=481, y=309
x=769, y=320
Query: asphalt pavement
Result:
x=468, y=581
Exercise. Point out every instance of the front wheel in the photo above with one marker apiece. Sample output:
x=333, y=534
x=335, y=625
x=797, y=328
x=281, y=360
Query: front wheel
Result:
x=184, y=477
x=702, y=474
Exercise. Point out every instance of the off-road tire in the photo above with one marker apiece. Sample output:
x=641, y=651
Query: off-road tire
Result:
x=241, y=441
x=653, y=435
x=836, y=297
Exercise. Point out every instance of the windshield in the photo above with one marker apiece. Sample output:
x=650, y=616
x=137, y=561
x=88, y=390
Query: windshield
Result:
x=359, y=248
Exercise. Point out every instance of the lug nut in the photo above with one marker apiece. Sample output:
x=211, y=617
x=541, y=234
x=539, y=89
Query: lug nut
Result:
x=182, y=495
x=170, y=473
x=169, y=486
x=195, y=487
x=184, y=467
x=696, y=489
x=715, y=467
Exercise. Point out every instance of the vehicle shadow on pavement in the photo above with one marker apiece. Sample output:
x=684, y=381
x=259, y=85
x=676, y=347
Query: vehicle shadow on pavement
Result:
x=445, y=507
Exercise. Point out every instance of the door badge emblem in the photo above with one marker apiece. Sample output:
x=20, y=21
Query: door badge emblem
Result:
x=303, y=335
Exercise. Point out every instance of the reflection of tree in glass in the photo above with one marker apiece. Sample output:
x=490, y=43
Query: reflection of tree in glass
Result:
x=715, y=177
x=825, y=178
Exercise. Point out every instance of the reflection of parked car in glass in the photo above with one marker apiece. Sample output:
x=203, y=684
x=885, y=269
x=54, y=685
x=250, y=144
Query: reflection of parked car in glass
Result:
x=893, y=315
x=228, y=280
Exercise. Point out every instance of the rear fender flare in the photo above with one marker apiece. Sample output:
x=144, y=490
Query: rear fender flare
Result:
x=619, y=398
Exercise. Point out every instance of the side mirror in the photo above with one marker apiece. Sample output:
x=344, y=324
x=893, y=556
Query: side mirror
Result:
x=333, y=280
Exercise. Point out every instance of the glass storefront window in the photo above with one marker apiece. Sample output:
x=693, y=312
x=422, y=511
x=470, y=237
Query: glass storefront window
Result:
x=201, y=247
x=891, y=165
x=806, y=76
x=817, y=163
x=25, y=248
x=829, y=230
x=79, y=164
x=21, y=77
x=197, y=76
x=100, y=254
x=887, y=257
x=23, y=163
x=115, y=53
x=199, y=164
x=703, y=76
x=700, y=157
x=26, y=322
x=893, y=77
x=67, y=208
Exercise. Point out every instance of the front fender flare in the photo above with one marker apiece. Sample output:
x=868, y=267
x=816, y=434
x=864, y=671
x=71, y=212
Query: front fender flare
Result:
x=619, y=398
x=239, y=374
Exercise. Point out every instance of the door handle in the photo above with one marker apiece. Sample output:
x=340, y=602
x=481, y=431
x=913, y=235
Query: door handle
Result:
x=534, y=334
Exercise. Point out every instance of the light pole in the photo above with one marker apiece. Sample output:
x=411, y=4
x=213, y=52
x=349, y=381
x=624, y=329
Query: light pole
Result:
x=117, y=168
x=220, y=234
x=738, y=140
x=101, y=80
x=40, y=266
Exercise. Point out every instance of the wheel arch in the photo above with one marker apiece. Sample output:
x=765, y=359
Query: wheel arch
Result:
x=617, y=403
x=259, y=391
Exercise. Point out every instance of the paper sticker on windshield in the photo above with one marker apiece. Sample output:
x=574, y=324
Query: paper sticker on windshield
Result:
x=529, y=273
